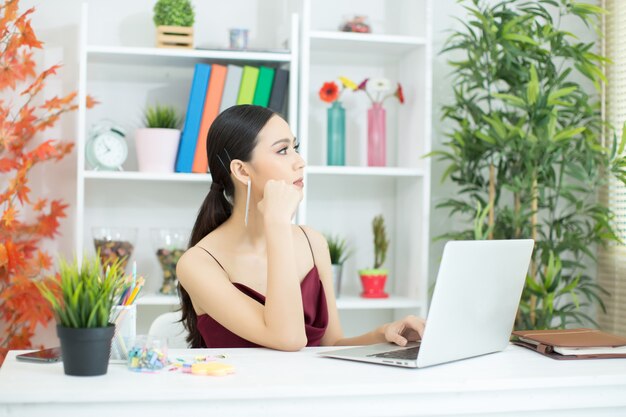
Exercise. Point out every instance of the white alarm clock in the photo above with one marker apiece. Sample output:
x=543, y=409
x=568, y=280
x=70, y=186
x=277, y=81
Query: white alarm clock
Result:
x=106, y=147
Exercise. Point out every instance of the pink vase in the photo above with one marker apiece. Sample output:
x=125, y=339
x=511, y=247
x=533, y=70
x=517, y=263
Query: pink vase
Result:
x=376, y=136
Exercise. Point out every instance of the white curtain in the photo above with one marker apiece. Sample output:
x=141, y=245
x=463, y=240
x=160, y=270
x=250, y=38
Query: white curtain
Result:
x=612, y=260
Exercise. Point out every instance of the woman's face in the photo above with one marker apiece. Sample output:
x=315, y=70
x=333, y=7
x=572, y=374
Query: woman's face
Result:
x=275, y=156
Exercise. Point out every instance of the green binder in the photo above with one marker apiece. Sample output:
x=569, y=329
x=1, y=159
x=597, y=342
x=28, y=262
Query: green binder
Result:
x=264, y=87
x=248, y=85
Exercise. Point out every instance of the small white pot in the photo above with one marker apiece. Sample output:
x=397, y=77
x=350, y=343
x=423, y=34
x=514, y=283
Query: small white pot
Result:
x=157, y=149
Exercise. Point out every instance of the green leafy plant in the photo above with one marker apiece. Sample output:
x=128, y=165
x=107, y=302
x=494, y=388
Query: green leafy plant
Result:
x=526, y=148
x=381, y=243
x=173, y=13
x=338, y=248
x=80, y=296
x=162, y=116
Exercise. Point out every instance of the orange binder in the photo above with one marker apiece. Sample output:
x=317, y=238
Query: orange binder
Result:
x=209, y=113
x=572, y=344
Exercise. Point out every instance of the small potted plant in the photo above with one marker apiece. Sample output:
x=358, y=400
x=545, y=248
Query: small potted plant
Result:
x=157, y=143
x=82, y=298
x=373, y=280
x=339, y=252
x=174, y=21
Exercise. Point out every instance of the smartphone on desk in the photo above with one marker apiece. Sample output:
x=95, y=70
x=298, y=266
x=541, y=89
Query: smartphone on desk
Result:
x=45, y=355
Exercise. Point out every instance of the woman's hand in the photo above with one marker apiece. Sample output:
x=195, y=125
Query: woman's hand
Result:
x=280, y=201
x=408, y=329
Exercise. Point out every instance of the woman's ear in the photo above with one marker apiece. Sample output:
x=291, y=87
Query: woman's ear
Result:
x=240, y=171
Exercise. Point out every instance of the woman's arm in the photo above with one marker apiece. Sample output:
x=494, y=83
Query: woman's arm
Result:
x=408, y=329
x=279, y=324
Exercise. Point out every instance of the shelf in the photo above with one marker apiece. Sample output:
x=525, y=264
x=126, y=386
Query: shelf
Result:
x=146, y=176
x=167, y=56
x=359, y=303
x=343, y=303
x=158, y=300
x=364, y=171
x=359, y=43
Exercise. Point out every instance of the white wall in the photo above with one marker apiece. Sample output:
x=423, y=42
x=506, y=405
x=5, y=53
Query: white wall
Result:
x=56, y=23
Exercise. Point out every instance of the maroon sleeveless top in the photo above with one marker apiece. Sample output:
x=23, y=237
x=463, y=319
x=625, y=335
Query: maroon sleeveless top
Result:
x=215, y=335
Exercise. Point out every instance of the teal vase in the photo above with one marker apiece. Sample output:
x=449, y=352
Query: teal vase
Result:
x=336, y=135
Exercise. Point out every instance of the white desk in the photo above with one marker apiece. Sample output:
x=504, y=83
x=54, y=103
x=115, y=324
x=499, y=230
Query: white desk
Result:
x=516, y=382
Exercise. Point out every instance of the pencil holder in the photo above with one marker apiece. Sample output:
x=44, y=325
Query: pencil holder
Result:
x=125, y=320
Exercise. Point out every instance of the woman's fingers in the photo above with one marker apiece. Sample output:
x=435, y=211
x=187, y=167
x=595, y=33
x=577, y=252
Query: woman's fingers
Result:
x=416, y=323
x=408, y=329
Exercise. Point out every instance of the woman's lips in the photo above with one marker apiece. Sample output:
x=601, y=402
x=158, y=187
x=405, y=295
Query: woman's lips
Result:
x=299, y=183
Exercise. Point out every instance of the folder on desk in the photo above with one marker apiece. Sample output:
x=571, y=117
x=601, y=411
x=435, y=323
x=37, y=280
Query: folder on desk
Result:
x=569, y=344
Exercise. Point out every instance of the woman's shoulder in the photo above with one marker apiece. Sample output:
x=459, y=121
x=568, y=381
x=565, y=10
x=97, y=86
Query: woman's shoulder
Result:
x=197, y=257
x=318, y=241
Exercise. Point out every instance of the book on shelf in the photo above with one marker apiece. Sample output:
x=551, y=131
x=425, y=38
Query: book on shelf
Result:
x=211, y=109
x=189, y=137
x=579, y=343
x=231, y=86
x=279, y=90
x=249, y=79
x=264, y=87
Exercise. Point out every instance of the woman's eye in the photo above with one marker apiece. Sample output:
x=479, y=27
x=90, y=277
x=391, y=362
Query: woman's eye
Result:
x=283, y=151
x=297, y=148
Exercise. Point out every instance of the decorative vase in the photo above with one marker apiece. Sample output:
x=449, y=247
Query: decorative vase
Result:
x=85, y=351
x=376, y=136
x=373, y=281
x=337, y=269
x=336, y=135
x=156, y=149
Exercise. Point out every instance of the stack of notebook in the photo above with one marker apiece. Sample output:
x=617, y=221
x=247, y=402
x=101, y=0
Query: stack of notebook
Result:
x=572, y=343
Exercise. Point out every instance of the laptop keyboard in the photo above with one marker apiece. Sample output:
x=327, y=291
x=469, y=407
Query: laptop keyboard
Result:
x=410, y=353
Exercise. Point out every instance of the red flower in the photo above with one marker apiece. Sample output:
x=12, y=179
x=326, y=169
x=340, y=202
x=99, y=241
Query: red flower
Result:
x=363, y=84
x=400, y=94
x=329, y=92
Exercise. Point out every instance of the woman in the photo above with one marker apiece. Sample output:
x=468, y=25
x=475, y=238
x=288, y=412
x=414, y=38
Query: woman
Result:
x=250, y=277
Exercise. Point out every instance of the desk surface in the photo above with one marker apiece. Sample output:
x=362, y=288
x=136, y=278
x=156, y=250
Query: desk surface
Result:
x=514, y=382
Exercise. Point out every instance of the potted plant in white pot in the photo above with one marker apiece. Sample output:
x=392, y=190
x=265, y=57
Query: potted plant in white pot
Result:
x=174, y=22
x=157, y=143
x=82, y=298
x=339, y=252
x=374, y=279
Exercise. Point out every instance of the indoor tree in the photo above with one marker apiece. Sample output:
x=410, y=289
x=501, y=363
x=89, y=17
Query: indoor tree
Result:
x=526, y=148
x=26, y=220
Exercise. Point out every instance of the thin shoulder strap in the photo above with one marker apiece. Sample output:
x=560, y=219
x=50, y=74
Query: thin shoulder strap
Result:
x=310, y=247
x=218, y=262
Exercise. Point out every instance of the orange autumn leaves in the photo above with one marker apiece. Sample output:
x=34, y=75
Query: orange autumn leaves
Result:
x=24, y=222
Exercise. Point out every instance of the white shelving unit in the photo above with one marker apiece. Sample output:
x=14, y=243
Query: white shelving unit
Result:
x=344, y=200
x=124, y=79
x=338, y=200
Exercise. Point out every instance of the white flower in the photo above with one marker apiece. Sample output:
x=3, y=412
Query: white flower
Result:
x=379, y=85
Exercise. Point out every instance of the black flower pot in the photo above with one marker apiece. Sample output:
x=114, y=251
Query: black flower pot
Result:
x=86, y=351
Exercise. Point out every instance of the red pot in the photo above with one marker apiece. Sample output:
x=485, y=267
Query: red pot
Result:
x=373, y=282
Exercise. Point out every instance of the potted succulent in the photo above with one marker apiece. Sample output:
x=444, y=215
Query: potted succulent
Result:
x=82, y=298
x=157, y=143
x=373, y=280
x=339, y=252
x=174, y=20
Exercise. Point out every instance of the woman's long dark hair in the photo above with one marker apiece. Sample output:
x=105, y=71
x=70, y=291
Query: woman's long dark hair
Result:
x=233, y=135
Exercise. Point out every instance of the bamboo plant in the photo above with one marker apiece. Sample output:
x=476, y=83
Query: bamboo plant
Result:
x=526, y=148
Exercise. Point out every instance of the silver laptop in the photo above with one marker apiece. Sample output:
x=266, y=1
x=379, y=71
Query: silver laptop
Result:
x=473, y=308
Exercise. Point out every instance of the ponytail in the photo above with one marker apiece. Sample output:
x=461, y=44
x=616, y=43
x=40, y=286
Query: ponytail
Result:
x=232, y=136
x=214, y=211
